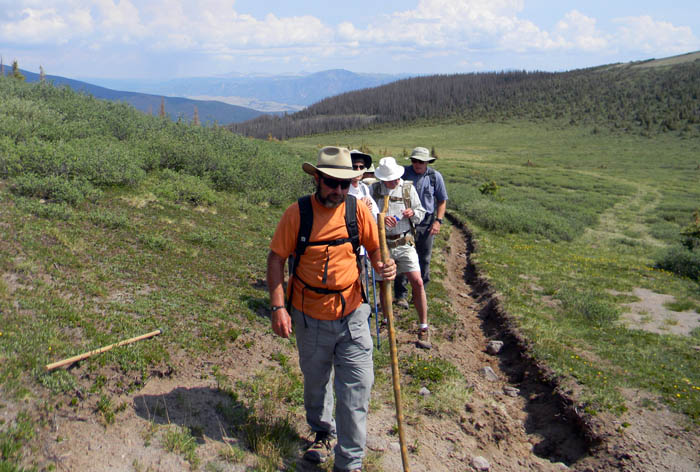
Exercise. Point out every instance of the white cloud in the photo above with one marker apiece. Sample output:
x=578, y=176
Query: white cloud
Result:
x=644, y=34
x=34, y=26
x=578, y=31
x=454, y=33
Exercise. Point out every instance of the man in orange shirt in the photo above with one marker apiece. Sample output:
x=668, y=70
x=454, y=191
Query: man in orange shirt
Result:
x=327, y=309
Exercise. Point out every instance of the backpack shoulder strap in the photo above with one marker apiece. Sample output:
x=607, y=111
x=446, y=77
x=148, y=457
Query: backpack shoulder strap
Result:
x=354, y=236
x=432, y=176
x=351, y=222
x=375, y=191
x=306, y=221
x=406, y=192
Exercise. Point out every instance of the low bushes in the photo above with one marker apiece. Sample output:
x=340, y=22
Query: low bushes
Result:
x=679, y=260
x=62, y=146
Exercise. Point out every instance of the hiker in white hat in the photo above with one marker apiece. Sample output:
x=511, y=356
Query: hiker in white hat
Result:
x=404, y=213
x=433, y=196
x=327, y=305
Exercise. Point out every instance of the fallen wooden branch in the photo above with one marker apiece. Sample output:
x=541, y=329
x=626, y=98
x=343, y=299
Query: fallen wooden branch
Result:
x=85, y=355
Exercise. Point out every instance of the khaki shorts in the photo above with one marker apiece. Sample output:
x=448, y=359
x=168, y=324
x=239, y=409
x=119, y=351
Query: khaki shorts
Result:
x=406, y=259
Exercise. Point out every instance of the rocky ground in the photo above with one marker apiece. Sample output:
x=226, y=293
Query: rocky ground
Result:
x=517, y=417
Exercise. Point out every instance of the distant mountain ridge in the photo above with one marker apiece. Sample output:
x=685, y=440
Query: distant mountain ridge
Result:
x=267, y=93
x=209, y=111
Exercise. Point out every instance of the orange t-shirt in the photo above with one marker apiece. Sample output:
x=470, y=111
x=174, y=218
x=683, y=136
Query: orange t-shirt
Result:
x=328, y=224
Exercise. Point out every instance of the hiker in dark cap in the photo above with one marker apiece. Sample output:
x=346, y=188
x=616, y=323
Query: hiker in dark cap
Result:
x=433, y=197
x=327, y=307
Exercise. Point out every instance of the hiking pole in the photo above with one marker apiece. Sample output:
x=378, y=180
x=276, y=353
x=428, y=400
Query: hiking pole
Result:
x=368, y=269
x=85, y=355
x=376, y=311
x=366, y=288
x=386, y=297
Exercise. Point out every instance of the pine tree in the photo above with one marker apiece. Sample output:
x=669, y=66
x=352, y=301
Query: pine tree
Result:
x=2, y=67
x=16, y=72
x=42, y=75
x=162, y=107
x=195, y=117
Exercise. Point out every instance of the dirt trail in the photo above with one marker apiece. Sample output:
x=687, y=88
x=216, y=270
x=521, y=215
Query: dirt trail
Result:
x=536, y=429
x=527, y=431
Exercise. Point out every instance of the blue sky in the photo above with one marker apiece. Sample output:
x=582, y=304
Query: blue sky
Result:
x=182, y=38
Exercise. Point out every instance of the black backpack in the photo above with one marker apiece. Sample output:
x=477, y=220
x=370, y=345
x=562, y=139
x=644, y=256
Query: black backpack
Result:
x=306, y=221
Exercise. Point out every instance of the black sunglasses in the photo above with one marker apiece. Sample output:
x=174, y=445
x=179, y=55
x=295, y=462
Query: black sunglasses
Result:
x=358, y=166
x=416, y=160
x=333, y=183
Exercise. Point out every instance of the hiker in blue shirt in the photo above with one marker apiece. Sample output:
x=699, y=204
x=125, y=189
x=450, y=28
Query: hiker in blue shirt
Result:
x=433, y=196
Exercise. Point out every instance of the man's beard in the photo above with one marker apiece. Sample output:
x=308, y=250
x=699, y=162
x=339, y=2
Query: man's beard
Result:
x=328, y=202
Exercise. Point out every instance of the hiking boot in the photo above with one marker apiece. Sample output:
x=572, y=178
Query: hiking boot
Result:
x=320, y=449
x=335, y=469
x=424, y=339
x=402, y=303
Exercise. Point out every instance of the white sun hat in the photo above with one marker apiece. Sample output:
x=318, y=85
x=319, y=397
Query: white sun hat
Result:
x=388, y=169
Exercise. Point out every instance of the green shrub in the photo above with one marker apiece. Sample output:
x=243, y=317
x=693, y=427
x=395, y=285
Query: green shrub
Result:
x=9, y=161
x=54, y=188
x=691, y=234
x=103, y=162
x=488, y=188
x=590, y=306
x=183, y=188
x=429, y=371
x=156, y=242
x=51, y=211
x=681, y=261
x=108, y=219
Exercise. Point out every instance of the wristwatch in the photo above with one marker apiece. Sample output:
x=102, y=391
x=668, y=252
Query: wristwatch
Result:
x=439, y=220
x=274, y=308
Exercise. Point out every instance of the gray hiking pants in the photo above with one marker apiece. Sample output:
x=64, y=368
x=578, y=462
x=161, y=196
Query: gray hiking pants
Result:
x=342, y=349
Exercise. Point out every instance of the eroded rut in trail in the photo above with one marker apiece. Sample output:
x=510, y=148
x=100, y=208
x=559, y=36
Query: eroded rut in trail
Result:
x=519, y=421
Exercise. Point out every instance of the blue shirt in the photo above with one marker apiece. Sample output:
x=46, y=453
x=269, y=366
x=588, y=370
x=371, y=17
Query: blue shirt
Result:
x=429, y=196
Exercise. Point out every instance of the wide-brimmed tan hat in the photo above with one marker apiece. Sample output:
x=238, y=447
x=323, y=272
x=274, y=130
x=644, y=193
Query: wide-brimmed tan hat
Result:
x=422, y=154
x=388, y=169
x=334, y=162
x=366, y=158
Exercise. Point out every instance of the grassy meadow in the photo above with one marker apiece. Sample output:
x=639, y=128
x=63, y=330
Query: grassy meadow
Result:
x=114, y=224
x=568, y=222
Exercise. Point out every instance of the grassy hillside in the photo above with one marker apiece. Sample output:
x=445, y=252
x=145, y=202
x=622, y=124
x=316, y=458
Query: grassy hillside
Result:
x=115, y=223
x=624, y=97
x=571, y=227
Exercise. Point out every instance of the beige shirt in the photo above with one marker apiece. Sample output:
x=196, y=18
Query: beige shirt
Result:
x=396, y=208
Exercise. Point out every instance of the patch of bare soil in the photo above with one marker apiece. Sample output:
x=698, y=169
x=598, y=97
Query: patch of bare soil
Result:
x=650, y=314
x=524, y=419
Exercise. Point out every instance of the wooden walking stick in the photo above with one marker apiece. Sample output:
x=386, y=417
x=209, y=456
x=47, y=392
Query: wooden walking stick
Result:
x=387, y=297
x=85, y=355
